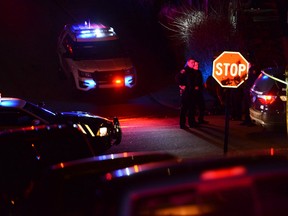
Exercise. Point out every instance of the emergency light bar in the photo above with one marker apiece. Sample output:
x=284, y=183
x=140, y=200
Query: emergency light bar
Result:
x=92, y=31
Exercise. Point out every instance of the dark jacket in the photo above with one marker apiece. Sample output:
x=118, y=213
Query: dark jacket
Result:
x=191, y=79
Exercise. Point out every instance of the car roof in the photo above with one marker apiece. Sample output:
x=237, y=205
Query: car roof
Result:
x=12, y=102
x=108, y=162
x=230, y=177
x=278, y=72
x=91, y=31
x=226, y=184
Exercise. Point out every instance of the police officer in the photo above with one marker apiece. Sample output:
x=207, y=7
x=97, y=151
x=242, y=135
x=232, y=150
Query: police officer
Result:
x=189, y=83
x=199, y=94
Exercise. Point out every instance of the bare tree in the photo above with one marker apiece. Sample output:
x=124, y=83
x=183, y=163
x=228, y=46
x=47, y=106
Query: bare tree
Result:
x=204, y=35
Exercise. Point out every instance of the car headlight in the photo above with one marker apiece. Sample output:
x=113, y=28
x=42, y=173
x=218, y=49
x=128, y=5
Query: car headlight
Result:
x=84, y=74
x=102, y=131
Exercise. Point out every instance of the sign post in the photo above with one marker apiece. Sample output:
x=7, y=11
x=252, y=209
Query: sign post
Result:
x=230, y=70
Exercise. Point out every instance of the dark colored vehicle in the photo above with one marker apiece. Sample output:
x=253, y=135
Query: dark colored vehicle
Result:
x=238, y=185
x=25, y=170
x=26, y=153
x=268, y=95
x=101, y=132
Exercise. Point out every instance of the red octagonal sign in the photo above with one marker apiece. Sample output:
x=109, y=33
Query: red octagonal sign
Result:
x=230, y=69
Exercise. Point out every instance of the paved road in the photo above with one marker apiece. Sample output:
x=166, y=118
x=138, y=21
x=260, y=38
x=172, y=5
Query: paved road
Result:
x=30, y=71
x=163, y=133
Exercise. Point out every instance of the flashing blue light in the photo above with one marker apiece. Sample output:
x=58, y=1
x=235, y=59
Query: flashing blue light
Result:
x=102, y=157
x=265, y=77
x=87, y=35
x=91, y=33
x=119, y=173
x=128, y=80
x=86, y=32
x=90, y=83
x=11, y=103
x=92, y=30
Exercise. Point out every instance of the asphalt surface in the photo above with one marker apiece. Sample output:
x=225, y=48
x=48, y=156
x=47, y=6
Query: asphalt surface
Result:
x=169, y=97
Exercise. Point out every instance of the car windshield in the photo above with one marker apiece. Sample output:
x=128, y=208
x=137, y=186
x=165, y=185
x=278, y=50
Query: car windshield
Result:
x=40, y=111
x=265, y=84
x=97, y=50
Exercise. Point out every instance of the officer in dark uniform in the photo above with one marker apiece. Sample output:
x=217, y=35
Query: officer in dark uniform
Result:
x=199, y=94
x=189, y=81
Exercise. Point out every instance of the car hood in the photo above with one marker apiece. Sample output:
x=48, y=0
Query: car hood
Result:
x=80, y=115
x=103, y=65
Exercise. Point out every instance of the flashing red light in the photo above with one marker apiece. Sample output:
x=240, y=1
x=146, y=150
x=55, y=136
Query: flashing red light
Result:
x=266, y=99
x=271, y=151
x=223, y=173
x=118, y=81
x=108, y=176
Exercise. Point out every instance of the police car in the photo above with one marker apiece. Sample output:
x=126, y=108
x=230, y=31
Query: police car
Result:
x=91, y=53
x=101, y=132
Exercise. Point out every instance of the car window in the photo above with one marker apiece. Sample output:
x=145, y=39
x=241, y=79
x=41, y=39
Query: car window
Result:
x=50, y=144
x=64, y=145
x=14, y=118
x=98, y=50
x=68, y=45
x=42, y=113
x=265, y=84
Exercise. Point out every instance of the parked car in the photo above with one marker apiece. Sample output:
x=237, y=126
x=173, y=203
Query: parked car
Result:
x=101, y=132
x=91, y=53
x=234, y=185
x=25, y=153
x=268, y=97
x=23, y=174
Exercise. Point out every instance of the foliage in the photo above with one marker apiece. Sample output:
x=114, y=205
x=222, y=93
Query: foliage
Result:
x=205, y=35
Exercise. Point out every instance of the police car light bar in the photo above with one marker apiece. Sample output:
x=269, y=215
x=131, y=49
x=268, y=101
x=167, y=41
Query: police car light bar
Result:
x=92, y=30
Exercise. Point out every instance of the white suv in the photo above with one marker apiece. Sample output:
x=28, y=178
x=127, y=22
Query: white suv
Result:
x=92, y=53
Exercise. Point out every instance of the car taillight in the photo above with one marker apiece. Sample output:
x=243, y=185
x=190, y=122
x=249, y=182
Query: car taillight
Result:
x=266, y=99
x=223, y=173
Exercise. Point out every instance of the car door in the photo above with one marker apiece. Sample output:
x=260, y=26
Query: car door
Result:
x=65, y=51
x=14, y=118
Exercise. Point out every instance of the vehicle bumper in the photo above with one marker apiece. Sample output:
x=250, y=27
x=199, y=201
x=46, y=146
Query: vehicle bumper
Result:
x=87, y=84
x=113, y=137
x=268, y=120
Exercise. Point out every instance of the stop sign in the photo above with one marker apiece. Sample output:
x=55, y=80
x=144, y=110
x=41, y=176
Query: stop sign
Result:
x=230, y=69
